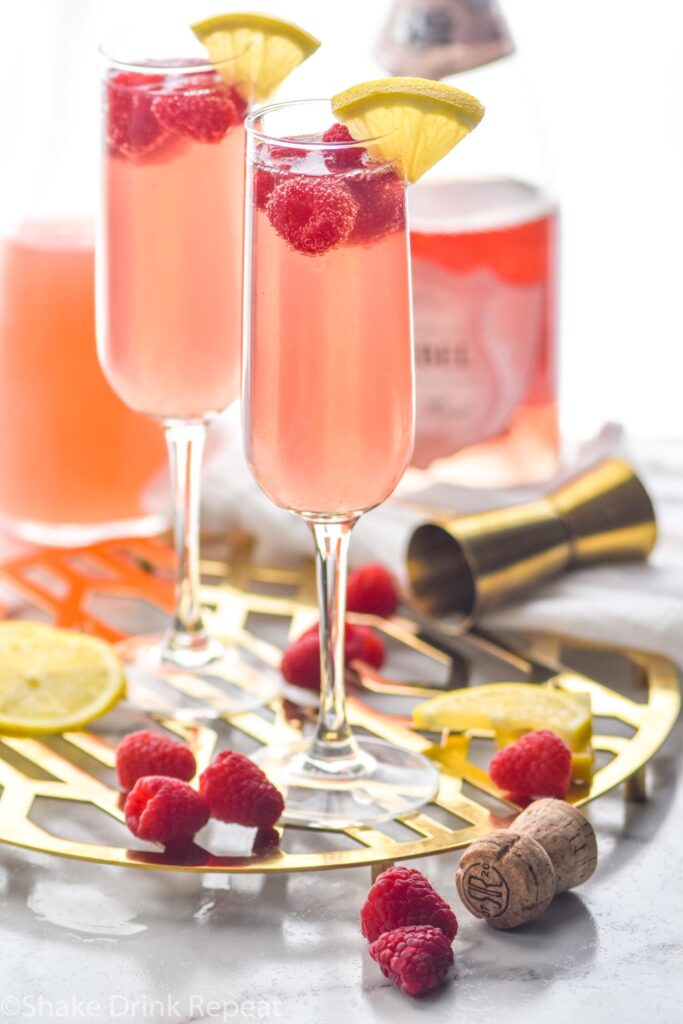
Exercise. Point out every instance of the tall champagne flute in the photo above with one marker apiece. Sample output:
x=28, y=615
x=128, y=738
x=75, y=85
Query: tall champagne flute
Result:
x=328, y=410
x=169, y=285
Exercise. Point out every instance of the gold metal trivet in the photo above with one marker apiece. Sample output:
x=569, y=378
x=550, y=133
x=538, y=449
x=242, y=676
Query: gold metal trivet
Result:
x=74, y=773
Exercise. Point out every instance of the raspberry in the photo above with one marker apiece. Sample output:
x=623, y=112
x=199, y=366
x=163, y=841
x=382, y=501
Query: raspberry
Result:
x=360, y=644
x=132, y=126
x=289, y=153
x=401, y=897
x=342, y=159
x=151, y=753
x=301, y=661
x=237, y=791
x=265, y=180
x=272, y=165
x=538, y=764
x=312, y=214
x=415, y=958
x=372, y=589
x=164, y=810
x=203, y=109
x=381, y=204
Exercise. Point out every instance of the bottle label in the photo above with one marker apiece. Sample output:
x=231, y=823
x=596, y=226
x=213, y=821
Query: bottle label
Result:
x=478, y=341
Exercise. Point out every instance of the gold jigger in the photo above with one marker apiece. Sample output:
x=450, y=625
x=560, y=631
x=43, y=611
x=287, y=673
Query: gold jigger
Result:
x=465, y=565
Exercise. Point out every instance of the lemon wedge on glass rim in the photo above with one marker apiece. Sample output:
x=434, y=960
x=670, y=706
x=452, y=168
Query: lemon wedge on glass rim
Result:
x=54, y=680
x=414, y=120
x=257, y=52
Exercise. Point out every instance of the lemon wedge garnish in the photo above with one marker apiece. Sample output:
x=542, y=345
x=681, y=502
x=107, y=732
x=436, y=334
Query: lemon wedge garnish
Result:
x=415, y=121
x=53, y=680
x=255, y=52
x=511, y=709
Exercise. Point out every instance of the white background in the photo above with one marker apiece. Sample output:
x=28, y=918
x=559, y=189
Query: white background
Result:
x=608, y=78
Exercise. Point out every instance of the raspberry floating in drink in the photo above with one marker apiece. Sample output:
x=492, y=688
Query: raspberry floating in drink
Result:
x=318, y=205
x=145, y=111
x=341, y=159
x=133, y=129
x=312, y=213
x=204, y=109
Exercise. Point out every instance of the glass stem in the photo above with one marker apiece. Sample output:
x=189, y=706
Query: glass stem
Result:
x=333, y=744
x=187, y=644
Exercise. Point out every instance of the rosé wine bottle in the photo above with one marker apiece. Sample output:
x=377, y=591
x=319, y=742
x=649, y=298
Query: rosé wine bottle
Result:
x=169, y=295
x=328, y=409
x=484, y=234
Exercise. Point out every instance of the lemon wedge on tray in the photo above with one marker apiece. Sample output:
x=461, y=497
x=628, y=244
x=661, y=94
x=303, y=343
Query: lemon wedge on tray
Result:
x=256, y=52
x=54, y=680
x=414, y=120
x=512, y=709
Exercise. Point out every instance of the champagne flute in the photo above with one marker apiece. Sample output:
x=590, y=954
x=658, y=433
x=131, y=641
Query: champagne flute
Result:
x=169, y=294
x=328, y=406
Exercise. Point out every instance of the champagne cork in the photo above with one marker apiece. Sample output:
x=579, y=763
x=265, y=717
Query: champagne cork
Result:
x=510, y=876
x=567, y=837
x=505, y=878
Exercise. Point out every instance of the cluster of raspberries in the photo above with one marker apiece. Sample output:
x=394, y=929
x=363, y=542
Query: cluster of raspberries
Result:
x=146, y=111
x=358, y=202
x=371, y=590
x=410, y=929
x=161, y=807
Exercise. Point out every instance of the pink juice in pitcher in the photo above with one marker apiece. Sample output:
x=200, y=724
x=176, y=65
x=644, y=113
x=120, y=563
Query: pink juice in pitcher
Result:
x=75, y=463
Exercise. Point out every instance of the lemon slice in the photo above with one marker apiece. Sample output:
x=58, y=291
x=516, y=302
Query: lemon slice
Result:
x=260, y=51
x=415, y=121
x=511, y=709
x=53, y=680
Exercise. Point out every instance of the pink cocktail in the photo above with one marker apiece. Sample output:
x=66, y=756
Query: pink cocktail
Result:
x=329, y=408
x=170, y=335
x=331, y=383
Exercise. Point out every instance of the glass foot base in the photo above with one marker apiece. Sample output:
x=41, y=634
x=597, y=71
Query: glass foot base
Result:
x=389, y=783
x=225, y=681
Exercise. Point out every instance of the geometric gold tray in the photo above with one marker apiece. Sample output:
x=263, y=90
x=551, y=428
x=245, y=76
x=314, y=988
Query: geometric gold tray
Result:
x=59, y=794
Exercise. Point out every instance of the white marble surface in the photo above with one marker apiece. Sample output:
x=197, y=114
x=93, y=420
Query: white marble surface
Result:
x=157, y=947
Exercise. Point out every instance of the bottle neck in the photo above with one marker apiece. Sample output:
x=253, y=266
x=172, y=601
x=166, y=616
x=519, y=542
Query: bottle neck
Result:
x=438, y=38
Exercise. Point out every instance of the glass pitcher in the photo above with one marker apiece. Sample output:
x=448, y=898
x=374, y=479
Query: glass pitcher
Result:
x=76, y=465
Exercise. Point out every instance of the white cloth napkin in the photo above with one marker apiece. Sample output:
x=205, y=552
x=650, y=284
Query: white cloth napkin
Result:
x=639, y=604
